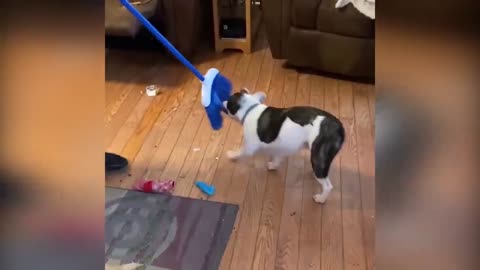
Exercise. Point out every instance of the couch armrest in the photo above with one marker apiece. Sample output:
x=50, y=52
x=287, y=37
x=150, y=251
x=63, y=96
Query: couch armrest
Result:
x=275, y=13
x=120, y=22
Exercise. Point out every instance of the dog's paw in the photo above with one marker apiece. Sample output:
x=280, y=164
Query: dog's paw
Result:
x=272, y=166
x=320, y=198
x=233, y=155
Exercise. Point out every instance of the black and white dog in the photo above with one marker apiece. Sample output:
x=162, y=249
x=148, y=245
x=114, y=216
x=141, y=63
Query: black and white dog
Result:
x=281, y=132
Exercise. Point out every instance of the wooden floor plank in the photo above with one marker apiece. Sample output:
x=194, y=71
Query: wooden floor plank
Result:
x=129, y=126
x=249, y=218
x=206, y=141
x=354, y=250
x=265, y=246
x=345, y=99
x=181, y=131
x=215, y=148
x=310, y=215
x=238, y=172
x=371, y=106
x=137, y=130
x=119, y=91
x=366, y=164
x=332, y=234
x=161, y=111
x=168, y=141
x=201, y=153
x=115, y=88
x=129, y=73
x=191, y=124
x=115, y=94
x=224, y=171
x=371, y=93
x=288, y=237
x=118, y=114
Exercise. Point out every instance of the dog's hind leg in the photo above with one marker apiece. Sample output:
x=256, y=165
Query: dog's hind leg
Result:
x=321, y=161
x=326, y=189
x=323, y=152
x=323, y=149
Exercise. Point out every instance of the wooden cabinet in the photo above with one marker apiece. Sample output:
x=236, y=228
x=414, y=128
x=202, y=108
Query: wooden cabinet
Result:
x=247, y=11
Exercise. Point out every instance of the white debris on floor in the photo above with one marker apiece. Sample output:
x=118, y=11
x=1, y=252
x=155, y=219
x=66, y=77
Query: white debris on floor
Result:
x=152, y=90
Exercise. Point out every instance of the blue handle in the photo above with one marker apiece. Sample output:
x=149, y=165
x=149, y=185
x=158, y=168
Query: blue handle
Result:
x=162, y=39
x=216, y=100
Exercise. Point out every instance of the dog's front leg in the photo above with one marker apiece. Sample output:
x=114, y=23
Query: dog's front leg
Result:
x=245, y=151
x=274, y=162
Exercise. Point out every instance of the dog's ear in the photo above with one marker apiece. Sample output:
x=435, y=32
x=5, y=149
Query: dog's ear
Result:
x=260, y=96
x=244, y=90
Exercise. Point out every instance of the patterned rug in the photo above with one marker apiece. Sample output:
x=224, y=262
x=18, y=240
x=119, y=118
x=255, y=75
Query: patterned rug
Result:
x=165, y=232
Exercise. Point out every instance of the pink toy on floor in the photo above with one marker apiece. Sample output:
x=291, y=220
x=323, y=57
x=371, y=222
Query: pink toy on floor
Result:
x=151, y=186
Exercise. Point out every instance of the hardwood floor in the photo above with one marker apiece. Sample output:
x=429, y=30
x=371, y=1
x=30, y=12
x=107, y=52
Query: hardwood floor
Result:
x=278, y=225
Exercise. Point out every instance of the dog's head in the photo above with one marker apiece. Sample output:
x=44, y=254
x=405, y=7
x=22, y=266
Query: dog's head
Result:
x=238, y=103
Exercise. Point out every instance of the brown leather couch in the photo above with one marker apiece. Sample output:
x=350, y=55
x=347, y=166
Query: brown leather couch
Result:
x=314, y=34
x=182, y=22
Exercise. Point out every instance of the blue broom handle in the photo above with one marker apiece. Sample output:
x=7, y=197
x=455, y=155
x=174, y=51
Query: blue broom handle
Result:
x=162, y=39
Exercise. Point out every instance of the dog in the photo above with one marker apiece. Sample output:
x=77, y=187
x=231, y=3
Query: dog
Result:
x=282, y=132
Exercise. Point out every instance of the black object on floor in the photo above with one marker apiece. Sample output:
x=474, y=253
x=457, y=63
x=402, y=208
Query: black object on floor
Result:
x=114, y=162
x=166, y=232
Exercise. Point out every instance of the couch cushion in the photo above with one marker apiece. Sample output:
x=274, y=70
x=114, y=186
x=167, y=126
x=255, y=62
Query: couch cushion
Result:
x=323, y=16
x=304, y=13
x=332, y=53
x=120, y=22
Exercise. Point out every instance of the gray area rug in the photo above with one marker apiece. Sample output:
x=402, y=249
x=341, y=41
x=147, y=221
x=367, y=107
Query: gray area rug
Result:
x=165, y=232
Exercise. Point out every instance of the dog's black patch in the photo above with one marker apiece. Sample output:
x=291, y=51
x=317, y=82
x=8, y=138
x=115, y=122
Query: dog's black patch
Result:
x=326, y=146
x=269, y=124
x=233, y=103
x=305, y=115
x=271, y=120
